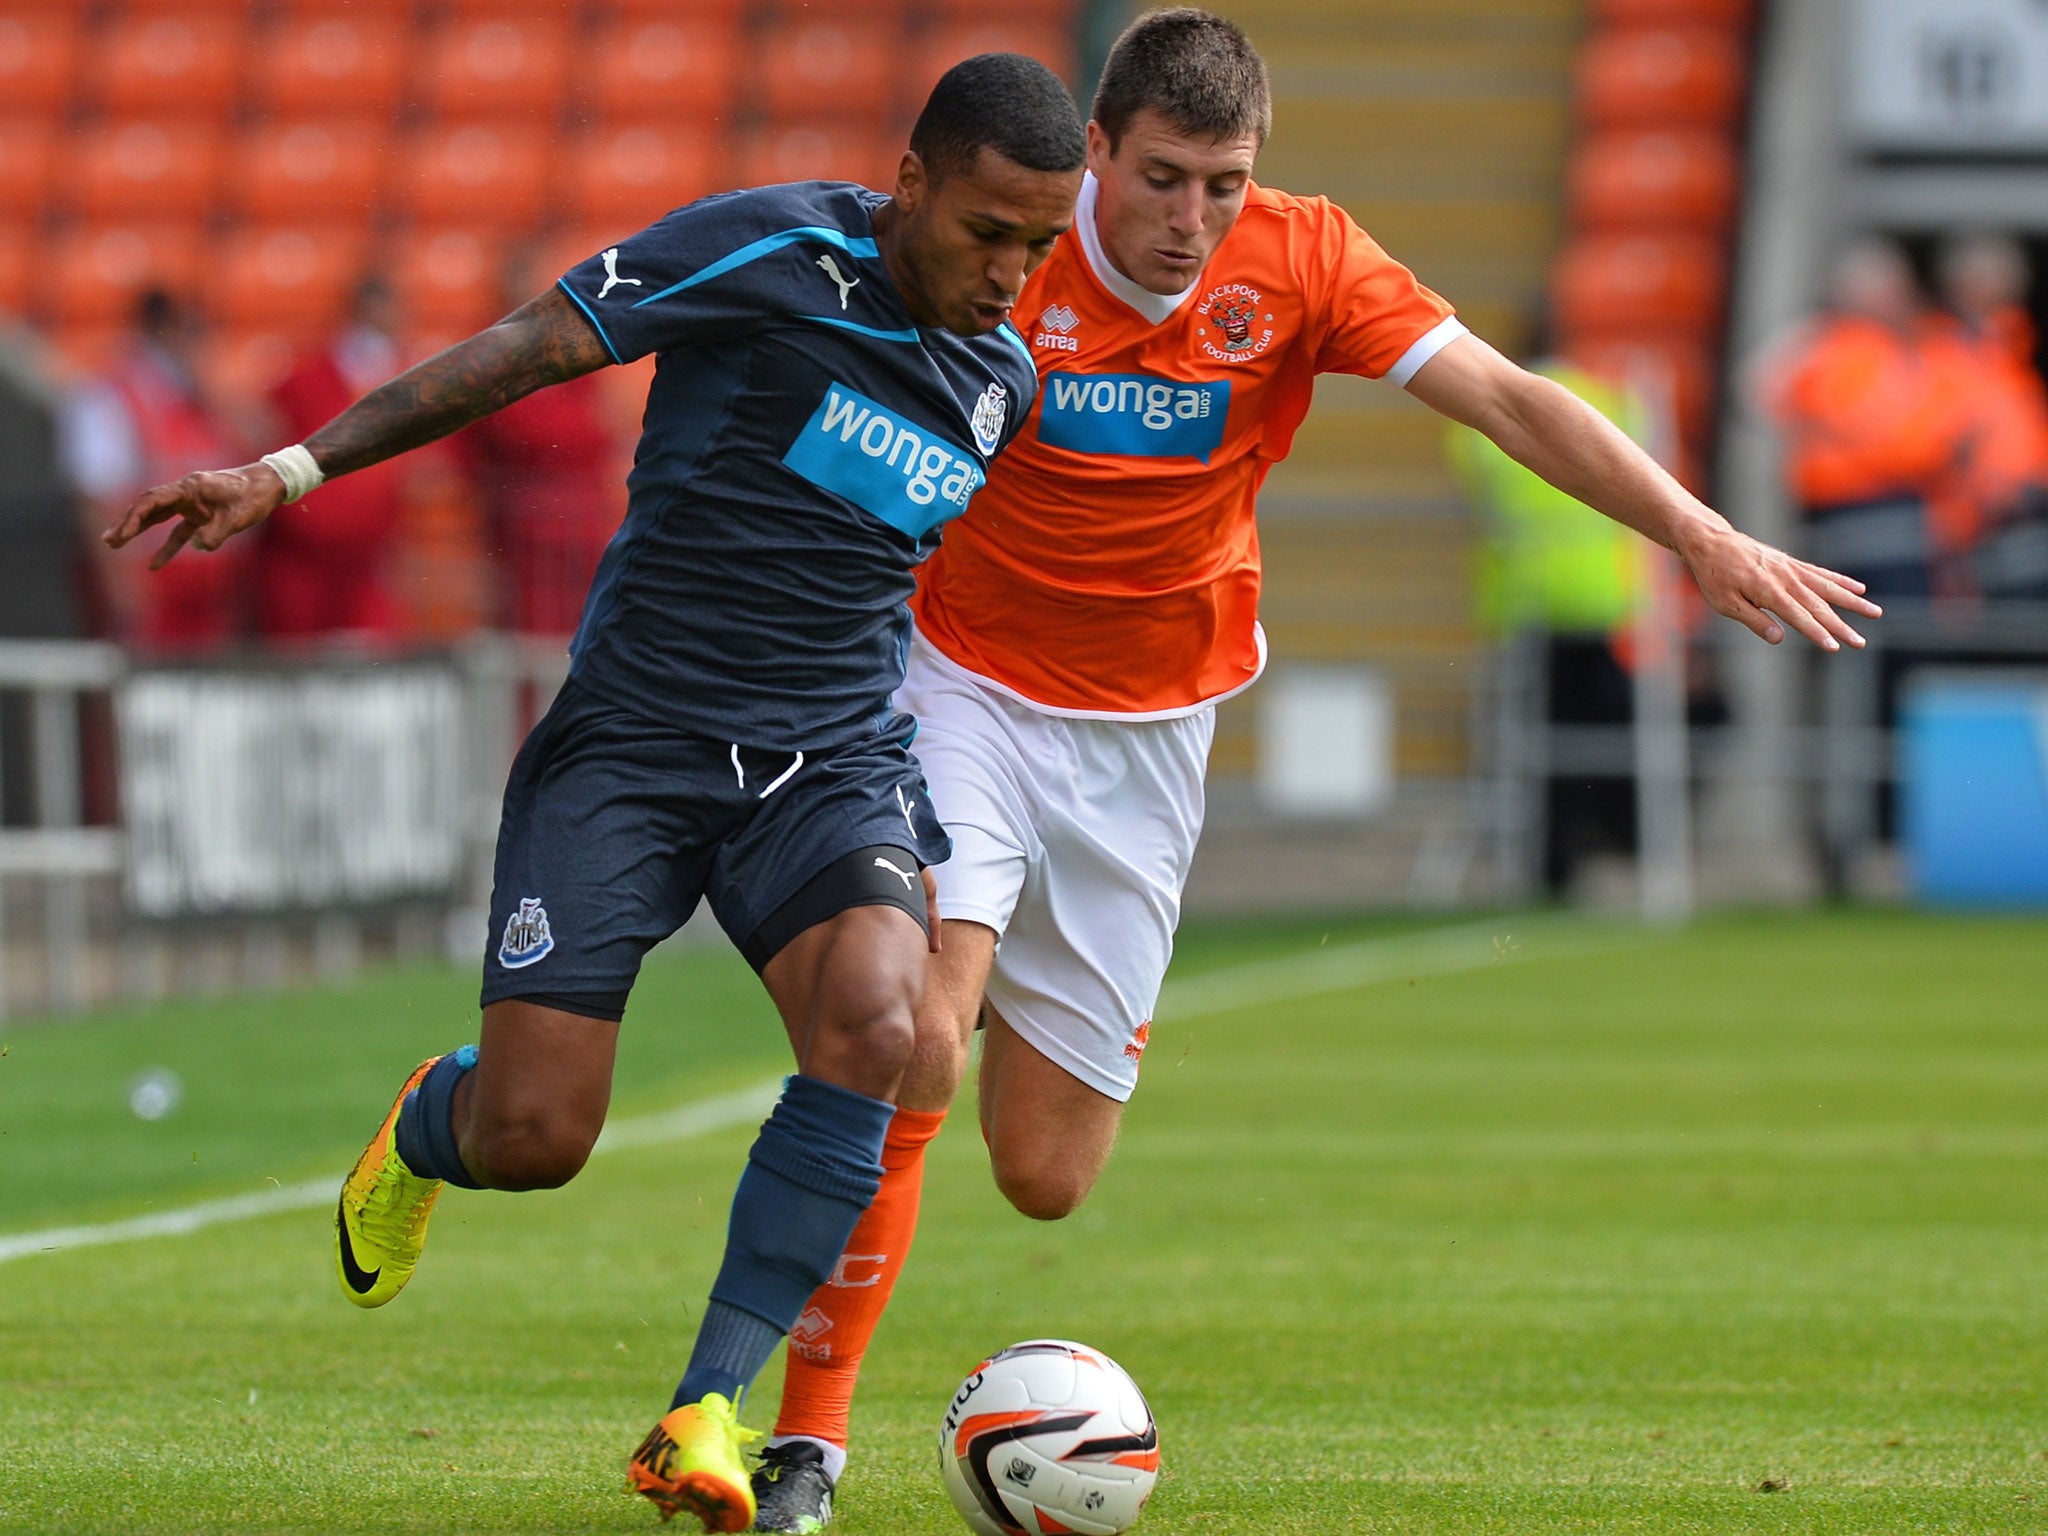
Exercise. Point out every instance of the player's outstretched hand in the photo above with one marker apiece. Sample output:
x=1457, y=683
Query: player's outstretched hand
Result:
x=210, y=508
x=1768, y=590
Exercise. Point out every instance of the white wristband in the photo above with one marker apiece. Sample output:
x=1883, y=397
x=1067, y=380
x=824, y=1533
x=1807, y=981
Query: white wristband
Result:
x=295, y=467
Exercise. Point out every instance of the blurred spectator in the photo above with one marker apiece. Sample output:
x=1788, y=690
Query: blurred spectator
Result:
x=143, y=423
x=39, y=580
x=1997, y=499
x=1550, y=563
x=548, y=469
x=1869, y=431
x=324, y=565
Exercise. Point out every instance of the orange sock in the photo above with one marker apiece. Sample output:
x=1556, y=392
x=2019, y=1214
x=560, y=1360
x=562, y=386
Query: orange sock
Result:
x=826, y=1346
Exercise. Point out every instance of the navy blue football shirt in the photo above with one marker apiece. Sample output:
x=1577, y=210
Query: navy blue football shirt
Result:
x=804, y=441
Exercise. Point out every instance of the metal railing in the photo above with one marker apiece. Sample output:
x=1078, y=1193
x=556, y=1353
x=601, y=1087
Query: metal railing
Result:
x=1840, y=759
x=64, y=879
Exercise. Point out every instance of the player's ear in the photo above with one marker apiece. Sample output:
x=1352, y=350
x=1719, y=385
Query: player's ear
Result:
x=1100, y=148
x=912, y=181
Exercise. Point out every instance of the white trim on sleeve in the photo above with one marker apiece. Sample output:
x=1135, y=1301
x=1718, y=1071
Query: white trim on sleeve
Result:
x=1427, y=345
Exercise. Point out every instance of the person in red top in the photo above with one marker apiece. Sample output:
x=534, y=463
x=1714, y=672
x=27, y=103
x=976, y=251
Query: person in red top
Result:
x=324, y=569
x=1082, y=618
x=1871, y=424
x=548, y=467
x=2001, y=486
x=145, y=421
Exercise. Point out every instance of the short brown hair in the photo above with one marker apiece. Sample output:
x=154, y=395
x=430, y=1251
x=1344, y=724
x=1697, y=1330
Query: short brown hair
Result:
x=1197, y=70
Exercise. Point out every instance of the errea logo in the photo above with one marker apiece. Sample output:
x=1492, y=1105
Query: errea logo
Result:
x=1057, y=324
x=905, y=474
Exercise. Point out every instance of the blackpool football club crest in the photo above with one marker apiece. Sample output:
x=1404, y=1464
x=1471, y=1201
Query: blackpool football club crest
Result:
x=1237, y=326
x=527, y=936
x=990, y=411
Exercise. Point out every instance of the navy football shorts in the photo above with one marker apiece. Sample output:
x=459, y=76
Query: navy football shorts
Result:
x=615, y=825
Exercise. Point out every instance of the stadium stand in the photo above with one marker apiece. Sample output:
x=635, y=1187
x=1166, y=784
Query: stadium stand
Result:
x=259, y=157
x=168, y=63
x=1653, y=189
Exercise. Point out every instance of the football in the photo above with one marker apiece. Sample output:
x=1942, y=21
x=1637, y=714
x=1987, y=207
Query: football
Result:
x=1049, y=1436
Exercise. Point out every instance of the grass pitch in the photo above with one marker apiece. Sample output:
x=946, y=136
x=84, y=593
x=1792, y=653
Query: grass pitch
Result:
x=1744, y=1229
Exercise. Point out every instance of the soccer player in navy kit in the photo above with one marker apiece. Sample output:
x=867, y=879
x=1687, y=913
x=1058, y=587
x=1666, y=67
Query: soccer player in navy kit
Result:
x=834, y=374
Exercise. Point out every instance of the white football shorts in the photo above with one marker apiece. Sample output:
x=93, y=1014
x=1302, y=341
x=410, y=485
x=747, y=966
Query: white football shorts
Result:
x=1072, y=840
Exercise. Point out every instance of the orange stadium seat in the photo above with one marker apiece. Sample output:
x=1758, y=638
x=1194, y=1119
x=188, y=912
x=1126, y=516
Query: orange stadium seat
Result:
x=1622, y=282
x=173, y=65
x=231, y=10
x=499, y=66
x=628, y=175
x=27, y=149
x=817, y=68
x=1063, y=13
x=141, y=170
x=292, y=280
x=1660, y=77
x=490, y=173
x=1627, y=179
x=348, y=62
x=940, y=49
x=323, y=170
x=662, y=68
x=242, y=367
x=38, y=61
x=821, y=152
x=565, y=248
x=721, y=13
x=563, y=13
x=446, y=280
x=1670, y=13
x=96, y=273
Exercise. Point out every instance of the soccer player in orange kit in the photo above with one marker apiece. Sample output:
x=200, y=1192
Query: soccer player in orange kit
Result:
x=1082, y=619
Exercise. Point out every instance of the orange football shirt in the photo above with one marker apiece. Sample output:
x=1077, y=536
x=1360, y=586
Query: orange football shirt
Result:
x=1110, y=567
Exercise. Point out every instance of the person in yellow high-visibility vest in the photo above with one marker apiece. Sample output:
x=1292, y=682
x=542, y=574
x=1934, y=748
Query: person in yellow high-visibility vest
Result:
x=1549, y=562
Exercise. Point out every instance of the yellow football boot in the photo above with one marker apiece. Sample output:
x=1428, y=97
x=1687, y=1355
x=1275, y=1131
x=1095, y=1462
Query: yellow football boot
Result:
x=691, y=1462
x=381, y=1223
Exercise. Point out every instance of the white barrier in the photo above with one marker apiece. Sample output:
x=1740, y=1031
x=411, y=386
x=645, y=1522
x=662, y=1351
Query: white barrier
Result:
x=323, y=788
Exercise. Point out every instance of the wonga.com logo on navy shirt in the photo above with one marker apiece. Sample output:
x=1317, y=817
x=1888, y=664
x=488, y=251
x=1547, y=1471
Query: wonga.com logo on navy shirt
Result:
x=1133, y=415
x=908, y=476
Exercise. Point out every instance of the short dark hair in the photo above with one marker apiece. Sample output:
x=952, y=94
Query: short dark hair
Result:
x=1197, y=70
x=1005, y=102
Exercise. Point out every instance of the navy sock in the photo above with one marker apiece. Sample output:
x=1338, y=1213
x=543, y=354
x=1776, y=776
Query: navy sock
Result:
x=813, y=1170
x=426, y=1122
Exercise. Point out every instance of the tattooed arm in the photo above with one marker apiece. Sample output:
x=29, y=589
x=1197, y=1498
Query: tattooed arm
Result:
x=540, y=343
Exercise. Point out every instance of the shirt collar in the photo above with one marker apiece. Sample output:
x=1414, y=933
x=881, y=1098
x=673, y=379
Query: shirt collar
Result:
x=1155, y=307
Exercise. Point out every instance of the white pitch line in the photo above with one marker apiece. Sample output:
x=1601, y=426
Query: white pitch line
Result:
x=680, y=1124
x=1308, y=973
x=1431, y=952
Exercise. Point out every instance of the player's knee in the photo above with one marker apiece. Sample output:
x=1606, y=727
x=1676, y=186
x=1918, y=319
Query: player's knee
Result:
x=938, y=1062
x=529, y=1152
x=1038, y=1190
x=881, y=1033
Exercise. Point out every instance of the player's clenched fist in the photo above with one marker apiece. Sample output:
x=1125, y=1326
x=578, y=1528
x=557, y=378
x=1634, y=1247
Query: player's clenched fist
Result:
x=210, y=507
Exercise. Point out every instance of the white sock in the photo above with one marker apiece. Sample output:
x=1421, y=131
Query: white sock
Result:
x=835, y=1455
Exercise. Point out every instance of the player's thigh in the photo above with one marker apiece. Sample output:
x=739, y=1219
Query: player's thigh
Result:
x=1049, y=1133
x=604, y=844
x=836, y=848
x=1081, y=966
